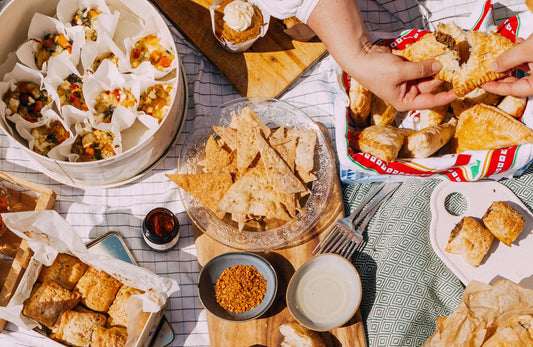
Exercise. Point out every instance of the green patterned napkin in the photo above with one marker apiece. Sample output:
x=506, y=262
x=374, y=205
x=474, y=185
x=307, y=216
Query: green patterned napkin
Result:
x=405, y=284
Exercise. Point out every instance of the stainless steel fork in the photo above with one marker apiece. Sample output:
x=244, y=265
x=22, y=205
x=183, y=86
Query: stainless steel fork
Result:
x=343, y=238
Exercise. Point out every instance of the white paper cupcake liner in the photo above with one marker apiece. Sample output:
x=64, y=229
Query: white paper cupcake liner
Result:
x=102, y=46
x=149, y=121
x=241, y=47
x=42, y=25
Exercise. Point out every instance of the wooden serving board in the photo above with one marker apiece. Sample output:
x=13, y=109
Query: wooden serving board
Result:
x=265, y=330
x=267, y=69
x=25, y=196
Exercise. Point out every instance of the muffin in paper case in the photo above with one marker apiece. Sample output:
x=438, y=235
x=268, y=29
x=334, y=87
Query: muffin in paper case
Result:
x=48, y=38
x=151, y=52
x=104, y=48
x=52, y=138
x=154, y=101
x=237, y=45
x=94, y=16
x=24, y=97
x=112, y=97
x=66, y=89
x=95, y=142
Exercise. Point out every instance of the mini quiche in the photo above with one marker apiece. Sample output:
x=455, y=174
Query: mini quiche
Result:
x=155, y=101
x=50, y=46
x=108, y=100
x=27, y=99
x=95, y=145
x=70, y=92
x=149, y=49
x=87, y=18
x=48, y=136
x=98, y=60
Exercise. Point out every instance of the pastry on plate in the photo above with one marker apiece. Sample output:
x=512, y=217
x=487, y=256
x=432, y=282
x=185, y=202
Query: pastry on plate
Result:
x=483, y=127
x=47, y=301
x=75, y=327
x=109, y=337
x=296, y=335
x=503, y=221
x=97, y=289
x=470, y=239
x=66, y=270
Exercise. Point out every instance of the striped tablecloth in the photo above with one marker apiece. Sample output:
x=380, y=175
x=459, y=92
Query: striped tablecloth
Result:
x=406, y=287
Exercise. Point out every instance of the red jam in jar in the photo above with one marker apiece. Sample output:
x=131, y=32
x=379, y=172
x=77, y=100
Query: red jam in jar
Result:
x=161, y=229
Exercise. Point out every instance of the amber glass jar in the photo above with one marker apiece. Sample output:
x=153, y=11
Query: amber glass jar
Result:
x=161, y=229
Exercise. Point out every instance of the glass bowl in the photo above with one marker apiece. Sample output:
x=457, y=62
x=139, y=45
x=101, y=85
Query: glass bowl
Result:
x=273, y=113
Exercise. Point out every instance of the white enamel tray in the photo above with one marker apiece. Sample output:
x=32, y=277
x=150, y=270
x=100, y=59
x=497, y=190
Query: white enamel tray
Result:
x=513, y=263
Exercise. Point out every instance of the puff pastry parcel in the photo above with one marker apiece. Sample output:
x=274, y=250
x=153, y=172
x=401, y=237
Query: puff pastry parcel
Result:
x=75, y=328
x=66, y=270
x=97, y=289
x=382, y=141
x=513, y=105
x=47, y=301
x=503, y=221
x=427, y=141
x=360, y=101
x=470, y=239
x=381, y=112
x=112, y=337
x=483, y=127
x=117, y=312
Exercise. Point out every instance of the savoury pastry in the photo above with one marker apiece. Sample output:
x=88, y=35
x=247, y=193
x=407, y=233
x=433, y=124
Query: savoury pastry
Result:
x=517, y=333
x=483, y=127
x=431, y=117
x=470, y=239
x=117, y=311
x=382, y=141
x=296, y=335
x=454, y=37
x=512, y=105
x=75, y=328
x=381, y=112
x=66, y=270
x=360, y=101
x=97, y=289
x=47, y=301
x=427, y=141
x=484, y=48
x=112, y=337
x=503, y=221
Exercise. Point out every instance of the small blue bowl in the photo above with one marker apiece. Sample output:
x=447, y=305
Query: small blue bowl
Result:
x=214, y=268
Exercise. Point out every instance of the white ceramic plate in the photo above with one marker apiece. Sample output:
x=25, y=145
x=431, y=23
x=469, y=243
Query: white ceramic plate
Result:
x=512, y=263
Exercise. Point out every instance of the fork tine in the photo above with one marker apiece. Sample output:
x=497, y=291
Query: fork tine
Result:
x=352, y=249
x=344, y=251
x=325, y=238
x=337, y=239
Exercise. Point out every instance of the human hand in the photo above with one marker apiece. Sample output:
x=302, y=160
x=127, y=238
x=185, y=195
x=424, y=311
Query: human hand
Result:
x=405, y=85
x=520, y=56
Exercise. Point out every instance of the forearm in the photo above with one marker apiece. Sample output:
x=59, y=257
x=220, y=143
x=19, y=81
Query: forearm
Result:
x=340, y=26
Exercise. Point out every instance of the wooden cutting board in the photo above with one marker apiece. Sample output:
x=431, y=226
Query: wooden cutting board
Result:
x=267, y=69
x=265, y=330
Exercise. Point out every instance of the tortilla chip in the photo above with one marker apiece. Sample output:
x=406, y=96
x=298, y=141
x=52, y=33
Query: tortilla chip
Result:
x=286, y=148
x=228, y=135
x=250, y=116
x=216, y=157
x=305, y=153
x=281, y=176
x=208, y=188
x=246, y=148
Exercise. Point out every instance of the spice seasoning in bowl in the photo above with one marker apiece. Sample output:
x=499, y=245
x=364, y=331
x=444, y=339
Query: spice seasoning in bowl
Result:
x=161, y=229
x=240, y=288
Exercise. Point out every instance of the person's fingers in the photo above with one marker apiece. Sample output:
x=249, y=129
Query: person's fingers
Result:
x=511, y=86
x=512, y=58
x=429, y=85
x=413, y=71
x=428, y=100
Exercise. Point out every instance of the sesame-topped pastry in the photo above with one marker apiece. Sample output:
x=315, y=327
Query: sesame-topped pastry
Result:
x=70, y=92
x=108, y=100
x=149, y=48
x=87, y=17
x=27, y=100
x=155, y=101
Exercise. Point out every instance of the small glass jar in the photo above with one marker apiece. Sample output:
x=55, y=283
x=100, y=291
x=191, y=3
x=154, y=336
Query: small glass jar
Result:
x=161, y=229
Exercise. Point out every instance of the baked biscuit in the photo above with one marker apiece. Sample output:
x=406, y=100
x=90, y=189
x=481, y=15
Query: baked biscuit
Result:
x=47, y=301
x=75, y=328
x=117, y=311
x=360, y=101
x=382, y=141
x=112, y=337
x=97, y=289
x=503, y=221
x=483, y=127
x=427, y=141
x=66, y=270
x=470, y=239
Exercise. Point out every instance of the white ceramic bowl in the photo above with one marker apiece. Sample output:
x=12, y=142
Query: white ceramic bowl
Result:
x=325, y=292
x=141, y=150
